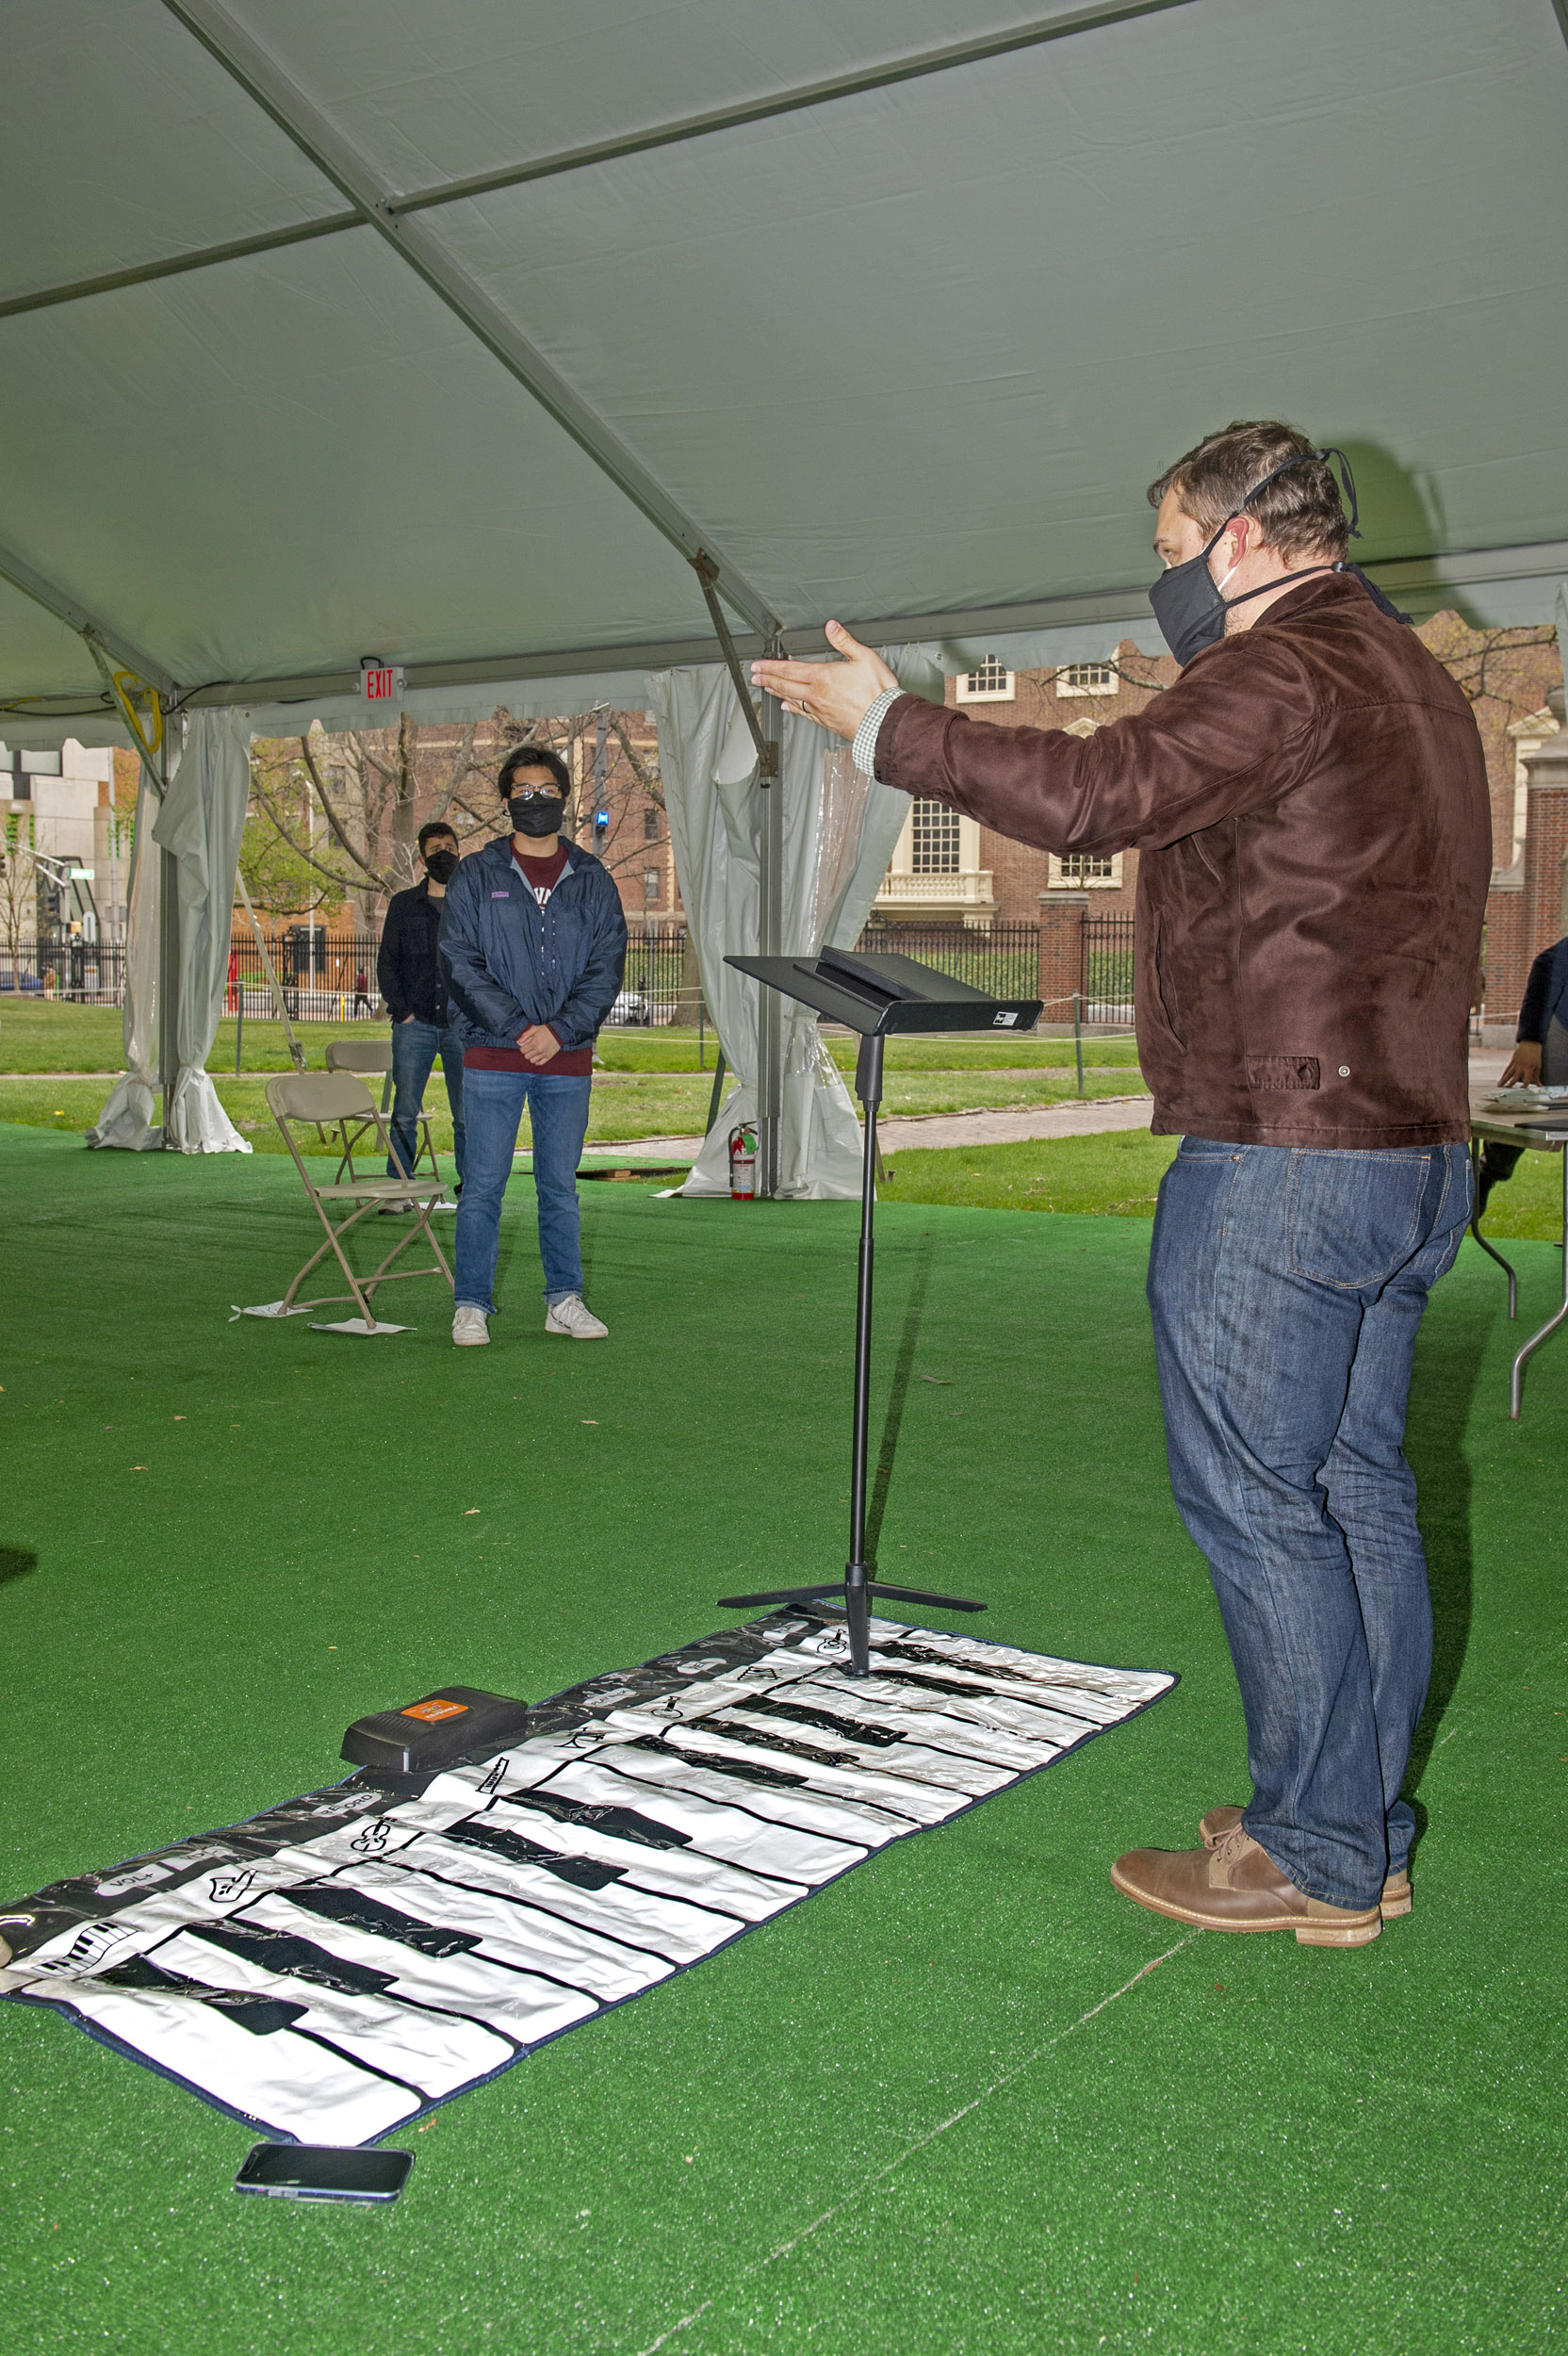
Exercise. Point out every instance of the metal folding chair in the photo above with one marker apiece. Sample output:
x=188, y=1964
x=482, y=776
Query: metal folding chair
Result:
x=375, y=1055
x=332, y=1100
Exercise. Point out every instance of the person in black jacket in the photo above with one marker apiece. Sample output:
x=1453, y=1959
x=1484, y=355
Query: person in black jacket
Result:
x=414, y=984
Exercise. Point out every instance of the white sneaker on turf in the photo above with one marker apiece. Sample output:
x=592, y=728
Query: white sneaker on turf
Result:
x=471, y=1326
x=573, y=1315
x=398, y=1209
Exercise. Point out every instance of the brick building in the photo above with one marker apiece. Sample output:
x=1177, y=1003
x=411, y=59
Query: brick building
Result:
x=948, y=869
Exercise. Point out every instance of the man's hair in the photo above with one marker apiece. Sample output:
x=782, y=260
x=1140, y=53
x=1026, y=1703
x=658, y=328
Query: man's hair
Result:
x=1298, y=512
x=428, y=834
x=535, y=757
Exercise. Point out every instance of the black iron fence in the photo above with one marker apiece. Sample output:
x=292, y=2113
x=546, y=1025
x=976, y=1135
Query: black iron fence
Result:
x=655, y=976
x=1106, y=969
x=331, y=976
x=325, y=977
x=43, y=965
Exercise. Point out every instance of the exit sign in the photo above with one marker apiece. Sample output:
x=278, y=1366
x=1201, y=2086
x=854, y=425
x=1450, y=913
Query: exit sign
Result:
x=380, y=682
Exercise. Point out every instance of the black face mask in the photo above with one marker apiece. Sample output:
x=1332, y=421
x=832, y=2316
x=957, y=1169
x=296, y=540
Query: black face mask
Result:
x=441, y=867
x=536, y=814
x=1187, y=604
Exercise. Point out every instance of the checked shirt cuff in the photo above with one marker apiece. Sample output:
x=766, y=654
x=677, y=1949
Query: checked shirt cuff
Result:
x=864, y=750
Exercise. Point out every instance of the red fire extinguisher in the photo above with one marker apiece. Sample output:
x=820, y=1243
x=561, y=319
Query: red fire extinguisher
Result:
x=742, y=1163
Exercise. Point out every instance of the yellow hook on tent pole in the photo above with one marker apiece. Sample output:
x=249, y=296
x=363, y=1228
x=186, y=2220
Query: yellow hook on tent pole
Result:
x=129, y=689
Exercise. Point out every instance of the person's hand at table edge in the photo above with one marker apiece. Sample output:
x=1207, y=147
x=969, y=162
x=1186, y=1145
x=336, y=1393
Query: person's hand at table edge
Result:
x=837, y=694
x=1524, y=1069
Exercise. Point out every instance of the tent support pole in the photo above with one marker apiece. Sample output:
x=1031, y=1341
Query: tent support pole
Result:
x=767, y=734
x=169, y=951
x=770, y=943
x=280, y=1005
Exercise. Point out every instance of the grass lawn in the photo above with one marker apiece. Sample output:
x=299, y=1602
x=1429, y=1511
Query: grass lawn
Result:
x=38, y=1035
x=625, y=1105
x=1118, y=1173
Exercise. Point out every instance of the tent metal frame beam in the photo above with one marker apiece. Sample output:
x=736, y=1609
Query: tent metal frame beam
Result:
x=114, y=641
x=264, y=80
x=1401, y=576
x=1062, y=26
x=175, y=265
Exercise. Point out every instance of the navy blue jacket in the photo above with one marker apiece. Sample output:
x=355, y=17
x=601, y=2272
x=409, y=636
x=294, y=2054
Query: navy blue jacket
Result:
x=1545, y=992
x=511, y=963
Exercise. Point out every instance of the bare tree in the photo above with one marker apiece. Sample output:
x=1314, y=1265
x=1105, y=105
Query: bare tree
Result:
x=1491, y=666
x=618, y=774
x=337, y=816
x=374, y=789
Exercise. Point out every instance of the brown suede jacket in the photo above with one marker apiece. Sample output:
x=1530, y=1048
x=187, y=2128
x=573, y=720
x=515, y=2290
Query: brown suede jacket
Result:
x=1310, y=804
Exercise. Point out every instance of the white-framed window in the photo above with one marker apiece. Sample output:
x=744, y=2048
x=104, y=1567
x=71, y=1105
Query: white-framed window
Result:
x=652, y=883
x=934, y=840
x=991, y=683
x=1079, y=872
x=1086, y=679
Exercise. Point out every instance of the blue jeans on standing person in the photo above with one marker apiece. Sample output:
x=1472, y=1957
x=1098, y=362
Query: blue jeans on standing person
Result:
x=1287, y=1284
x=558, y=1111
x=415, y=1048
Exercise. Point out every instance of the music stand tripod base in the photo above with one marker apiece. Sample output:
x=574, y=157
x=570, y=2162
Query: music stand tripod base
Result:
x=875, y=995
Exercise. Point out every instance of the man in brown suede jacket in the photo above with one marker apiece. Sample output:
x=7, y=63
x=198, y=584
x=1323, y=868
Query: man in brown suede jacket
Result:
x=1310, y=804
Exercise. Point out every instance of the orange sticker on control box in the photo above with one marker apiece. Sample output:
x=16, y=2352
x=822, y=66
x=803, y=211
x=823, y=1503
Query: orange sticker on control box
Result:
x=431, y=1711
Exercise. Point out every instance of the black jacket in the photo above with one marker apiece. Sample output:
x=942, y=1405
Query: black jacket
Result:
x=411, y=977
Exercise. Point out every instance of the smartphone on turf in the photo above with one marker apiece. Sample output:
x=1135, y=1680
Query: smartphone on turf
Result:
x=323, y=2172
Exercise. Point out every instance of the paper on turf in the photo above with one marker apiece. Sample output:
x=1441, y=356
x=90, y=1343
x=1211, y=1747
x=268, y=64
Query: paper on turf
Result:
x=334, y=1967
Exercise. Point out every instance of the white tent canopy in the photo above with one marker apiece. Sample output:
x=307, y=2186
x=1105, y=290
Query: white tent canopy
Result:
x=904, y=354
x=453, y=333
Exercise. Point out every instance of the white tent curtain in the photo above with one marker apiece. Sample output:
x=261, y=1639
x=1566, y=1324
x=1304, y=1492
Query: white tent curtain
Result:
x=839, y=828
x=200, y=821
x=126, y=1120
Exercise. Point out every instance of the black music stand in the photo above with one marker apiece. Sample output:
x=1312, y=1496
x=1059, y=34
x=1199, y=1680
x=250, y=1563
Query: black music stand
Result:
x=875, y=995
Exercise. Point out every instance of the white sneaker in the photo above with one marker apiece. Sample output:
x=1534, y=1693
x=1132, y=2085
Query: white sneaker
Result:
x=469, y=1327
x=394, y=1210
x=572, y=1315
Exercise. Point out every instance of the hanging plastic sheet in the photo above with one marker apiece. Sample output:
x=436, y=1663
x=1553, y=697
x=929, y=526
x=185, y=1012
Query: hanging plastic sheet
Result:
x=839, y=828
x=200, y=820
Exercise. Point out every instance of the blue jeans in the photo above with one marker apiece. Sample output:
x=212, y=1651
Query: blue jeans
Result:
x=415, y=1048
x=557, y=1110
x=1287, y=1285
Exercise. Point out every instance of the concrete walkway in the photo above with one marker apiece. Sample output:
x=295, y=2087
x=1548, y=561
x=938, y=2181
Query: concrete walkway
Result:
x=1069, y=1118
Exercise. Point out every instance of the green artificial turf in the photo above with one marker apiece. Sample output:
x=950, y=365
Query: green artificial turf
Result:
x=947, y=2107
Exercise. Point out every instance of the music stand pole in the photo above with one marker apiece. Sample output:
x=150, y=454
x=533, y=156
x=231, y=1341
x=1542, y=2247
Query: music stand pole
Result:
x=872, y=995
x=868, y=1087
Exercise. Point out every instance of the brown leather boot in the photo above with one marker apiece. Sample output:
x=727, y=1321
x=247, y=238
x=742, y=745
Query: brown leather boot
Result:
x=1236, y=1886
x=1396, y=1897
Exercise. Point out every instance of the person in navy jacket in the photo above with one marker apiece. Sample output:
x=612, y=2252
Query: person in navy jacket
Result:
x=533, y=941
x=1540, y=1054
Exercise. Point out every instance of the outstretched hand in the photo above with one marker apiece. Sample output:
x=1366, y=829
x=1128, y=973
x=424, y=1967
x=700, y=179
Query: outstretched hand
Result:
x=836, y=695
